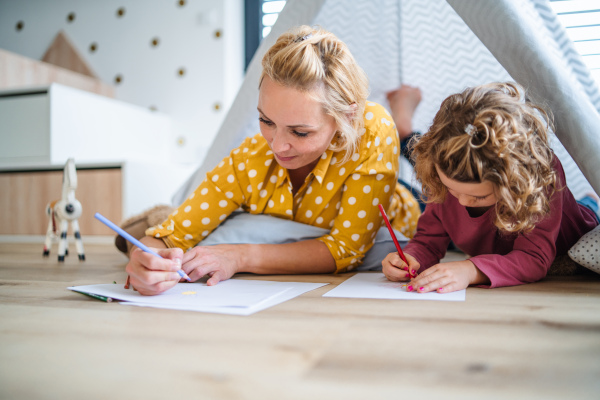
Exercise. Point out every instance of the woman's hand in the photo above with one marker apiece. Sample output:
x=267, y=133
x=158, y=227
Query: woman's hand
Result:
x=151, y=275
x=396, y=270
x=448, y=277
x=219, y=262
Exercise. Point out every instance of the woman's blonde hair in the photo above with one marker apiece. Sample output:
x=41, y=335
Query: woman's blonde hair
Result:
x=316, y=61
x=492, y=133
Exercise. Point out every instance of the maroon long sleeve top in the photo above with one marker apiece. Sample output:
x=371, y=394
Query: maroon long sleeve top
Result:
x=506, y=259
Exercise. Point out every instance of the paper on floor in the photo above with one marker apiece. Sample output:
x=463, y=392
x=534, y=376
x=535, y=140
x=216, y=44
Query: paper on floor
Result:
x=376, y=286
x=234, y=296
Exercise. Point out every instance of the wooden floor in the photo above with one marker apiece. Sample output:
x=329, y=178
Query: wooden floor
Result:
x=538, y=341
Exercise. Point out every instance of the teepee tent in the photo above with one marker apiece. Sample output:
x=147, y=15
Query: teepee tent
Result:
x=442, y=47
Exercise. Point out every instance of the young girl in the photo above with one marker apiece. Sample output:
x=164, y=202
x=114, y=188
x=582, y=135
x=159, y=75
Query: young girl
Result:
x=494, y=187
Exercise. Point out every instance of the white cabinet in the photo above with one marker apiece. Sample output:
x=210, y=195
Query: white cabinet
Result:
x=25, y=128
x=40, y=128
x=49, y=125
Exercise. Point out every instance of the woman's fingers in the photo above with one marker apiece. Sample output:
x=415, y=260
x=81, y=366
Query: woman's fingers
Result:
x=175, y=255
x=198, y=263
x=218, y=262
x=153, y=263
x=152, y=275
x=153, y=289
x=189, y=255
x=216, y=277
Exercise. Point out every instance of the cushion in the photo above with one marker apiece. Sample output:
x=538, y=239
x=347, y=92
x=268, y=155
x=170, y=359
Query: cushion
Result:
x=586, y=252
x=136, y=226
x=242, y=227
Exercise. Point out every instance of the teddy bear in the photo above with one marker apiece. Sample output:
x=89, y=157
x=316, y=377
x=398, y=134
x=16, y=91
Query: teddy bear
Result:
x=136, y=225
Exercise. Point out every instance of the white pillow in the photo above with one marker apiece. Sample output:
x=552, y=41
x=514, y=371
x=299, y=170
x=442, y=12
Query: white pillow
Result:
x=586, y=252
x=242, y=227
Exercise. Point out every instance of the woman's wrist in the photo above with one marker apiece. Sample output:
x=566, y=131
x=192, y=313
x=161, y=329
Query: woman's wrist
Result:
x=249, y=256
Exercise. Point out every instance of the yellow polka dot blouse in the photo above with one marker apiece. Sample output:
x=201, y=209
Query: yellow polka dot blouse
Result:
x=339, y=197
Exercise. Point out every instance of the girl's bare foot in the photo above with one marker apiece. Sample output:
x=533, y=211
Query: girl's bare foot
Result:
x=403, y=103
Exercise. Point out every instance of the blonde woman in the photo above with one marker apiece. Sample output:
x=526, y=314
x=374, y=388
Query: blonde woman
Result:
x=325, y=157
x=494, y=188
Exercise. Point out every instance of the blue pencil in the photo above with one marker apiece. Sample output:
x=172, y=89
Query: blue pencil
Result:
x=134, y=241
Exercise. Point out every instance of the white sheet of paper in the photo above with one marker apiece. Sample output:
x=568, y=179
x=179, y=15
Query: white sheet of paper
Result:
x=376, y=286
x=234, y=296
x=295, y=290
x=230, y=293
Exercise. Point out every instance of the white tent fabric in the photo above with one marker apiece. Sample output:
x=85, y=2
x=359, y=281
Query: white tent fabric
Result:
x=427, y=44
x=527, y=39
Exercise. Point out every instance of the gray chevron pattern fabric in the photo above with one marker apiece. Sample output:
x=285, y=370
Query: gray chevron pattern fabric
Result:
x=527, y=39
x=441, y=55
x=371, y=29
x=423, y=43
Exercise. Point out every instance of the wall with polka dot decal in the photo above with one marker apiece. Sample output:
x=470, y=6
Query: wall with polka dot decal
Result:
x=183, y=58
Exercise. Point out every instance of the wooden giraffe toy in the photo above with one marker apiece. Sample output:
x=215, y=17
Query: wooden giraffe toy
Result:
x=61, y=212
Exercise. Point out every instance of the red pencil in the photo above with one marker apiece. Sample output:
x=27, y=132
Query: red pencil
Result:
x=387, y=222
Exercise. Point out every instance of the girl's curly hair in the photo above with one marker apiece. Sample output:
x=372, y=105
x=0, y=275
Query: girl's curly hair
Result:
x=491, y=133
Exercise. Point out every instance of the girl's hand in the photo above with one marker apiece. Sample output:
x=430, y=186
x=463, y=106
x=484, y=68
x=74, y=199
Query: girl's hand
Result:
x=448, y=277
x=151, y=275
x=396, y=270
x=219, y=262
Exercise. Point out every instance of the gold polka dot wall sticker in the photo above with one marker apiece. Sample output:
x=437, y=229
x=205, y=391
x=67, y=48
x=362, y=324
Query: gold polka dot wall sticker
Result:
x=71, y=17
x=20, y=25
x=188, y=293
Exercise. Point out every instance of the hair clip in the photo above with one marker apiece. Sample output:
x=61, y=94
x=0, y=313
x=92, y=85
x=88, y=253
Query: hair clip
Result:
x=300, y=39
x=470, y=130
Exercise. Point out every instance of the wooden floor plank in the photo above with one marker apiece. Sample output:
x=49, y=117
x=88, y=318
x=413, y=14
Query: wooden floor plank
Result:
x=538, y=341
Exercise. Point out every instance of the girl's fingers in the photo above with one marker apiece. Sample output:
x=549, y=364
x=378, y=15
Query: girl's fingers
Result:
x=437, y=278
x=450, y=287
x=442, y=282
x=394, y=268
x=395, y=274
x=426, y=281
